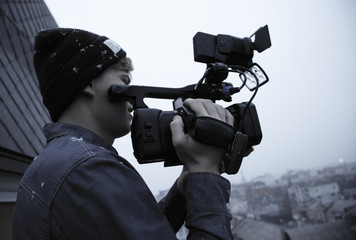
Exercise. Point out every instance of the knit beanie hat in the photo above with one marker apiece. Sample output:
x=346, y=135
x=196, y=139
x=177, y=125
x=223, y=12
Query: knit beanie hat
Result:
x=67, y=60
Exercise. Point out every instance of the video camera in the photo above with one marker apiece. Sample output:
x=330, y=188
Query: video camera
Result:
x=150, y=129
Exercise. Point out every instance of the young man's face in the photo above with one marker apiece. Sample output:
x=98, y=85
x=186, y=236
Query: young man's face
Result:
x=113, y=118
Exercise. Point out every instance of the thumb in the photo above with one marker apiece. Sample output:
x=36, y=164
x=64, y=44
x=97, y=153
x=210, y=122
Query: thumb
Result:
x=177, y=129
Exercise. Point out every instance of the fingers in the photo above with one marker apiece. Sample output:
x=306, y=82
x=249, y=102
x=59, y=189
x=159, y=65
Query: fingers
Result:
x=197, y=156
x=205, y=107
x=201, y=107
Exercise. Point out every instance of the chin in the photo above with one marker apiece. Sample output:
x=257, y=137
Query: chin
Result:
x=123, y=131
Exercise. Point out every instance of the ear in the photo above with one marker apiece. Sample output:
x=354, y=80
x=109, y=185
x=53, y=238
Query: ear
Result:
x=89, y=91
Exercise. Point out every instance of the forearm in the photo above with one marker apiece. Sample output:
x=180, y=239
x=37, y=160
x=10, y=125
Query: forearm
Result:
x=206, y=192
x=173, y=207
x=208, y=215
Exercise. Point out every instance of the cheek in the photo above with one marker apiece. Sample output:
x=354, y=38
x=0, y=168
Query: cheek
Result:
x=107, y=112
x=120, y=114
x=116, y=111
x=120, y=120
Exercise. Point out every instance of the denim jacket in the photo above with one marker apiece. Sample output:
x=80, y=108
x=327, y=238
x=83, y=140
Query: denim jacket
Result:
x=80, y=188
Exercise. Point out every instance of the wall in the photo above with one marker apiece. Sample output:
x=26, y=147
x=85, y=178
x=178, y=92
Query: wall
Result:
x=22, y=114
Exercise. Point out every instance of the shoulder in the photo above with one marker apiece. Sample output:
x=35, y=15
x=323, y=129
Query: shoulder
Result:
x=63, y=156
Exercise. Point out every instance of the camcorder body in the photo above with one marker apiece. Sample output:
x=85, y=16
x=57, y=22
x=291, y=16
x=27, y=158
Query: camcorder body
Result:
x=150, y=129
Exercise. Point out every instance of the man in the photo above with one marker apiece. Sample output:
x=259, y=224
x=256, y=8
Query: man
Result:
x=79, y=187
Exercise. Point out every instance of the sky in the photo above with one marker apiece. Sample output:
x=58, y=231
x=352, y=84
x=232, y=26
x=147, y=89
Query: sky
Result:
x=307, y=109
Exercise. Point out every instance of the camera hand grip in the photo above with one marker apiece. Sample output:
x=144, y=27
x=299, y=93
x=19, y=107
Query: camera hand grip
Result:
x=210, y=131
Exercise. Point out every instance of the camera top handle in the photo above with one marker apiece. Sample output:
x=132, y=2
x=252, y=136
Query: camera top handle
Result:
x=136, y=94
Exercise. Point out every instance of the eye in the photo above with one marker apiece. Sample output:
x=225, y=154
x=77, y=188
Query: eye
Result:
x=126, y=80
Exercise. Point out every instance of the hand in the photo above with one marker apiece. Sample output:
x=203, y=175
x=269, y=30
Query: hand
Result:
x=196, y=156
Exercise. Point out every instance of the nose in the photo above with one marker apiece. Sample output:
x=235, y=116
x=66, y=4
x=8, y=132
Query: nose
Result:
x=130, y=105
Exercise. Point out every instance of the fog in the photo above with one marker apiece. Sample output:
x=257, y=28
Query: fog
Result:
x=306, y=110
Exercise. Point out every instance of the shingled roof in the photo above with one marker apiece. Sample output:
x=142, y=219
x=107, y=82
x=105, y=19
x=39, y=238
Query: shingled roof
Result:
x=249, y=229
x=339, y=230
x=22, y=113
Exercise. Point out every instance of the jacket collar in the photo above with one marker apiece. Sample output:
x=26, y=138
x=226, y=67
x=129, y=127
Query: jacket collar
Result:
x=55, y=130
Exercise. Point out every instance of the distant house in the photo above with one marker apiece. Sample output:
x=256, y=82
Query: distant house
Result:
x=352, y=167
x=302, y=176
x=312, y=213
x=336, y=170
x=309, y=202
x=340, y=207
x=295, y=194
x=350, y=193
x=257, y=190
x=239, y=207
x=238, y=191
x=323, y=192
x=267, y=178
x=22, y=115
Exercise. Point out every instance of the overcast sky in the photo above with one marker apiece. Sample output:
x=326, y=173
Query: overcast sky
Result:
x=307, y=110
